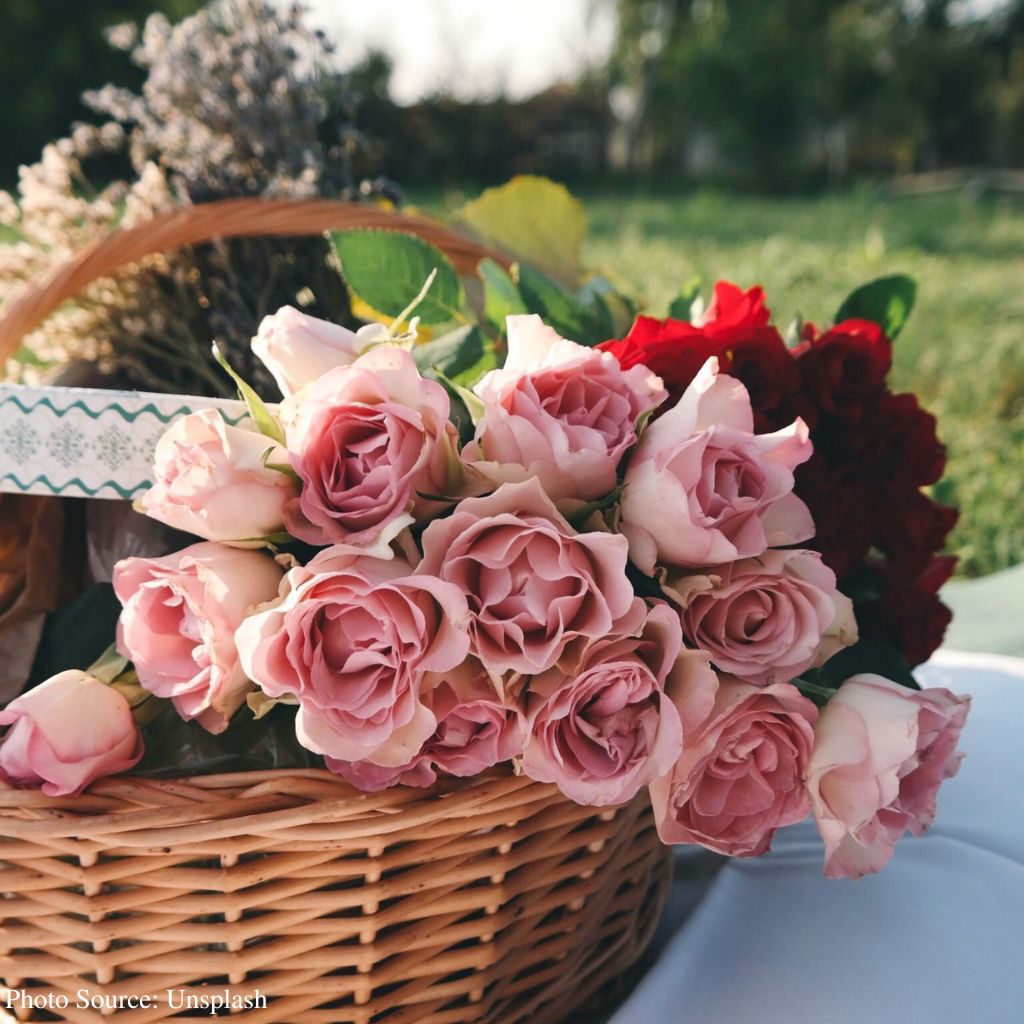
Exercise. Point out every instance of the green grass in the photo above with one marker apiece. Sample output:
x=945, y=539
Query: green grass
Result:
x=962, y=352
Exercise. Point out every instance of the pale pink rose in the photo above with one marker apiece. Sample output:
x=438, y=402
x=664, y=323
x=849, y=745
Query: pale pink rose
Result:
x=881, y=753
x=67, y=732
x=297, y=348
x=741, y=774
x=702, y=489
x=560, y=412
x=766, y=619
x=611, y=727
x=178, y=624
x=475, y=730
x=368, y=440
x=536, y=588
x=352, y=639
x=211, y=480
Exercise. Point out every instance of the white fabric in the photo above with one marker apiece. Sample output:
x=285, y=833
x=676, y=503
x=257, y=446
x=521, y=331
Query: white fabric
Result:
x=936, y=938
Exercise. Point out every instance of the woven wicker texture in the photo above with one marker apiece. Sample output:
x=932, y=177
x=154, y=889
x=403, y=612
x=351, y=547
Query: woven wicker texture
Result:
x=492, y=900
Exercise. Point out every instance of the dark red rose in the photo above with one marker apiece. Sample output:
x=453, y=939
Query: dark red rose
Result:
x=908, y=615
x=845, y=368
x=843, y=507
x=912, y=528
x=762, y=362
x=731, y=308
x=898, y=445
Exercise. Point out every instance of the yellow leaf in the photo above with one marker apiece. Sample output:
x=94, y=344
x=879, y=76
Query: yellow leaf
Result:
x=364, y=311
x=534, y=220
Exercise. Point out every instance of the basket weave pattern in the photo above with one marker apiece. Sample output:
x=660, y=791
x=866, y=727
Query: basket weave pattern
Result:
x=492, y=900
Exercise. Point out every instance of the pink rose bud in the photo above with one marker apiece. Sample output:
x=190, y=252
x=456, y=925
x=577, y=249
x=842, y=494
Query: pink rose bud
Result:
x=741, y=773
x=475, y=730
x=881, y=753
x=560, y=412
x=536, y=588
x=67, y=732
x=766, y=619
x=702, y=489
x=352, y=640
x=297, y=349
x=610, y=727
x=178, y=624
x=211, y=481
x=369, y=441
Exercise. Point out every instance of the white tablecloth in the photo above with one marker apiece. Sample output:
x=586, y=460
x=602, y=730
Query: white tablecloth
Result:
x=936, y=938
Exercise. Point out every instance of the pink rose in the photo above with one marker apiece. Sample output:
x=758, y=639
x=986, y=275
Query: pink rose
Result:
x=352, y=640
x=766, y=619
x=560, y=412
x=297, y=349
x=211, y=481
x=881, y=753
x=702, y=489
x=536, y=588
x=67, y=732
x=611, y=727
x=741, y=773
x=179, y=620
x=475, y=730
x=366, y=439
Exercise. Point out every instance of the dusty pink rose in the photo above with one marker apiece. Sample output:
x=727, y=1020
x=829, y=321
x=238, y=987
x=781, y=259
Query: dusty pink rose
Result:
x=178, y=624
x=741, y=773
x=702, y=489
x=352, y=639
x=611, y=727
x=536, y=588
x=560, y=412
x=367, y=440
x=211, y=481
x=766, y=619
x=881, y=753
x=67, y=732
x=475, y=730
x=297, y=348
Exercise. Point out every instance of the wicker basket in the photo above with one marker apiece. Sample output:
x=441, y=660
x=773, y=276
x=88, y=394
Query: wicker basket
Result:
x=492, y=900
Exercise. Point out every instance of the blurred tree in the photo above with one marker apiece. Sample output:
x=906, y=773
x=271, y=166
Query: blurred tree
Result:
x=52, y=51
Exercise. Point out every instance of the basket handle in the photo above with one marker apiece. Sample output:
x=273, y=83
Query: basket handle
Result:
x=224, y=218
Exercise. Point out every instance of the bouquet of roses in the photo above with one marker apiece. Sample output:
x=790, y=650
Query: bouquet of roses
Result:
x=609, y=567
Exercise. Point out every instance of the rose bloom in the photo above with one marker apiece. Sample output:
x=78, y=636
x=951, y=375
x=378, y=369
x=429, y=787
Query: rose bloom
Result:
x=766, y=619
x=881, y=752
x=735, y=329
x=297, y=348
x=603, y=732
x=352, y=640
x=843, y=370
x=66, y=732
x=178, y=623
x=475, y=730
x=365, y=440
x=701, y=488
x=898, y=446
x=211, y=481
x=536, y=588
x=741, y=773
x=560, y=412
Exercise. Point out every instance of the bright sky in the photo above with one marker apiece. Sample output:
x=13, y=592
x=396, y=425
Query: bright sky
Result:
x=472, y=48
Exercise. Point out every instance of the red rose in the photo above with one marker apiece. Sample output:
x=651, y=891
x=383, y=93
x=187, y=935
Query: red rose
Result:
x=912, y=529
x=735, y=329
x=908, y=615
x=845, y=368
x=899, y=446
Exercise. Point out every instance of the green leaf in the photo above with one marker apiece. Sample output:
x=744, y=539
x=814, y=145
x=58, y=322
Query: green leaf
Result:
x=595, y=296
x=679, y=307
x=455, y=353
x=560, y=309
x=501, y=296
x=386, y=269
x=266, y=422
x=866, y=656
x=887, y=301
